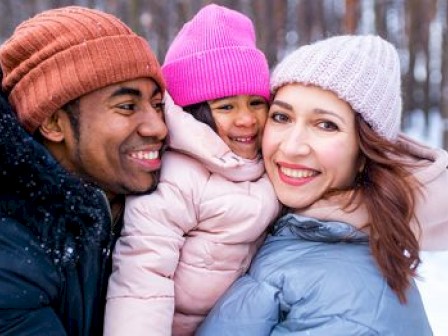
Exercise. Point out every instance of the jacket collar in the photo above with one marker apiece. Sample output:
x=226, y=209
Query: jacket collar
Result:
x=41, y=195
x=317, y=230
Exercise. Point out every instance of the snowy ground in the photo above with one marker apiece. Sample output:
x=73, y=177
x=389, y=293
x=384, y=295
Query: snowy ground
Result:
x=433, y=284
x=434, y=289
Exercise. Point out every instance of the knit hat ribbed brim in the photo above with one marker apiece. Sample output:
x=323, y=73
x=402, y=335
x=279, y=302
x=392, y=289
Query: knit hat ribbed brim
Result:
x=364, y=71
x=62, y=54
x=214, y=56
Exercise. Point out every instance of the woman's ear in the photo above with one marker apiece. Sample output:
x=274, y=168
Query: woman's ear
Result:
x=52, y=128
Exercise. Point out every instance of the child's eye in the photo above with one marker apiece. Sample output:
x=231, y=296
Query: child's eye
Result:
x=279, y=117
x=226, y=107
x=328, y=126
x=258, y=102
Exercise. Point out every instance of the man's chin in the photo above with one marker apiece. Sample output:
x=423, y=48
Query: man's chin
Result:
x=144, y=188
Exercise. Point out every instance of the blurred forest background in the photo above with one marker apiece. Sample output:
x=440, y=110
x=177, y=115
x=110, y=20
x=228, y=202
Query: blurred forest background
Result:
x=418, y=28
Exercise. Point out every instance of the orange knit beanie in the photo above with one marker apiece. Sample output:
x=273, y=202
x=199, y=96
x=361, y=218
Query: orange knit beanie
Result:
x=62, y=54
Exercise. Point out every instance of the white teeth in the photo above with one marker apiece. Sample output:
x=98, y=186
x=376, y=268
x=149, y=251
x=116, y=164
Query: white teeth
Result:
x=243, y=139
x=297, y=173
x=145, y=155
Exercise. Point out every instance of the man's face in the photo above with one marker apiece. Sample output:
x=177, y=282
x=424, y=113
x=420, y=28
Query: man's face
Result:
x=121, y=132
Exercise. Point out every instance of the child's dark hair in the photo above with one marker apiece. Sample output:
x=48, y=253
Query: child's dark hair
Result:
x=203, y=113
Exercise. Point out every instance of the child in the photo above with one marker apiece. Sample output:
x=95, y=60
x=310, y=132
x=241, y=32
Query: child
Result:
x=342, y=261
x=183, y=245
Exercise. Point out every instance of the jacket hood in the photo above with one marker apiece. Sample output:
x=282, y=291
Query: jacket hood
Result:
x=36, y=191
x=198, y=140
x=432, y=172
x=434, y=161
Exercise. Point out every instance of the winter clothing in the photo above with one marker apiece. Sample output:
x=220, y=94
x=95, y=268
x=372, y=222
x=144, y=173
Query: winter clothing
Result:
x=215, y=56
x=62, y=54
x=187, y=242
x=315, y=278
x=432, y=172
x=299, y=244
x=361, y=70
x=55, y=241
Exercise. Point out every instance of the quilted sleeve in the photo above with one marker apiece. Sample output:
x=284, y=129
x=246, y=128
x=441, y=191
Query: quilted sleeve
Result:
x=248, y=308
x=140, y=299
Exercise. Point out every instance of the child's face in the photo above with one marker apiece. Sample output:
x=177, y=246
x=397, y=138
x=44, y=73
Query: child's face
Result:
x=240, y=122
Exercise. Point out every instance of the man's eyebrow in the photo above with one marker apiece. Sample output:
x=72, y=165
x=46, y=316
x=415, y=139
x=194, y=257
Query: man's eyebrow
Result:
x=123, y=91
x=156, y=91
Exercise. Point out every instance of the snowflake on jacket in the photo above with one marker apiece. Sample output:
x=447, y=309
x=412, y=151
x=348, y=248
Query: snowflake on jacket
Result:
x=55, y=241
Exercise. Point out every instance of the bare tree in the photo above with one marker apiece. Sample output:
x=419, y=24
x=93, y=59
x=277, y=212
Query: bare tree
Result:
x=381, y=18
x=282, y=25
x=351, y=16
x=269, y=17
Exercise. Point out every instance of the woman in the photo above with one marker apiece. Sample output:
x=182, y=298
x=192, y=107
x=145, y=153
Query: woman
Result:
x=333, y=152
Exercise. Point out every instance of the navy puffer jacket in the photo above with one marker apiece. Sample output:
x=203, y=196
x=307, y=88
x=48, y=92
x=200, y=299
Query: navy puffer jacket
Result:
x=315, y=278
x=55, y=241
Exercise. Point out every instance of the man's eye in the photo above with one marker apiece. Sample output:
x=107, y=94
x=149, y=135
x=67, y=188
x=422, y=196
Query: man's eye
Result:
x=159, y=106
x=127, y=107
x=279, y=117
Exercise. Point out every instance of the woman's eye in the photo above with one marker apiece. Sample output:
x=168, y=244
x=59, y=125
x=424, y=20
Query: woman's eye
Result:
x=279, y=117
x=328, y=125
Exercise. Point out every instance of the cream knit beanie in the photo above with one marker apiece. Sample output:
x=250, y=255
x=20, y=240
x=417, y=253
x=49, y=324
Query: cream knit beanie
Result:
x=364, y=71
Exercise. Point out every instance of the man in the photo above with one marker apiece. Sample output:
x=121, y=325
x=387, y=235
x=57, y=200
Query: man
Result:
x=87, y=129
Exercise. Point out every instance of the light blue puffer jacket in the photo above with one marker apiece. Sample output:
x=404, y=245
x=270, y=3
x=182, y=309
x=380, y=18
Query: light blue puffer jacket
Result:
x=315, y=278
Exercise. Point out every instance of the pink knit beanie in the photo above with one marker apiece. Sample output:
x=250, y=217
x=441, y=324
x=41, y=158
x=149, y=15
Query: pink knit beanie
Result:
x=62, y=54
x=364, y=71
x=215, y=56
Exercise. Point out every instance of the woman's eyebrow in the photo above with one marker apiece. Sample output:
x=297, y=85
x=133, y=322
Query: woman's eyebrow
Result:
x=282, y=104
x=323, y=111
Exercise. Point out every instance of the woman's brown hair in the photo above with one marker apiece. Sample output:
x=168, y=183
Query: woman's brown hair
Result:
x=388, y=191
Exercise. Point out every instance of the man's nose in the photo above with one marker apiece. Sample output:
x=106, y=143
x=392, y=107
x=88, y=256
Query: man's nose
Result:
x=152, y=124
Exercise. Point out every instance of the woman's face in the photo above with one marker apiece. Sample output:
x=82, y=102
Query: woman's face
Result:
x=310, y=145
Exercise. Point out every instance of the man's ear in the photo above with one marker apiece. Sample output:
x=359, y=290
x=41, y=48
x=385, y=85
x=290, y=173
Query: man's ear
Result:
x=53, y=127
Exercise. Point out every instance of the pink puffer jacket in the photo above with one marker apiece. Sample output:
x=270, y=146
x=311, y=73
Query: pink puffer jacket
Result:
x=183, y=245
